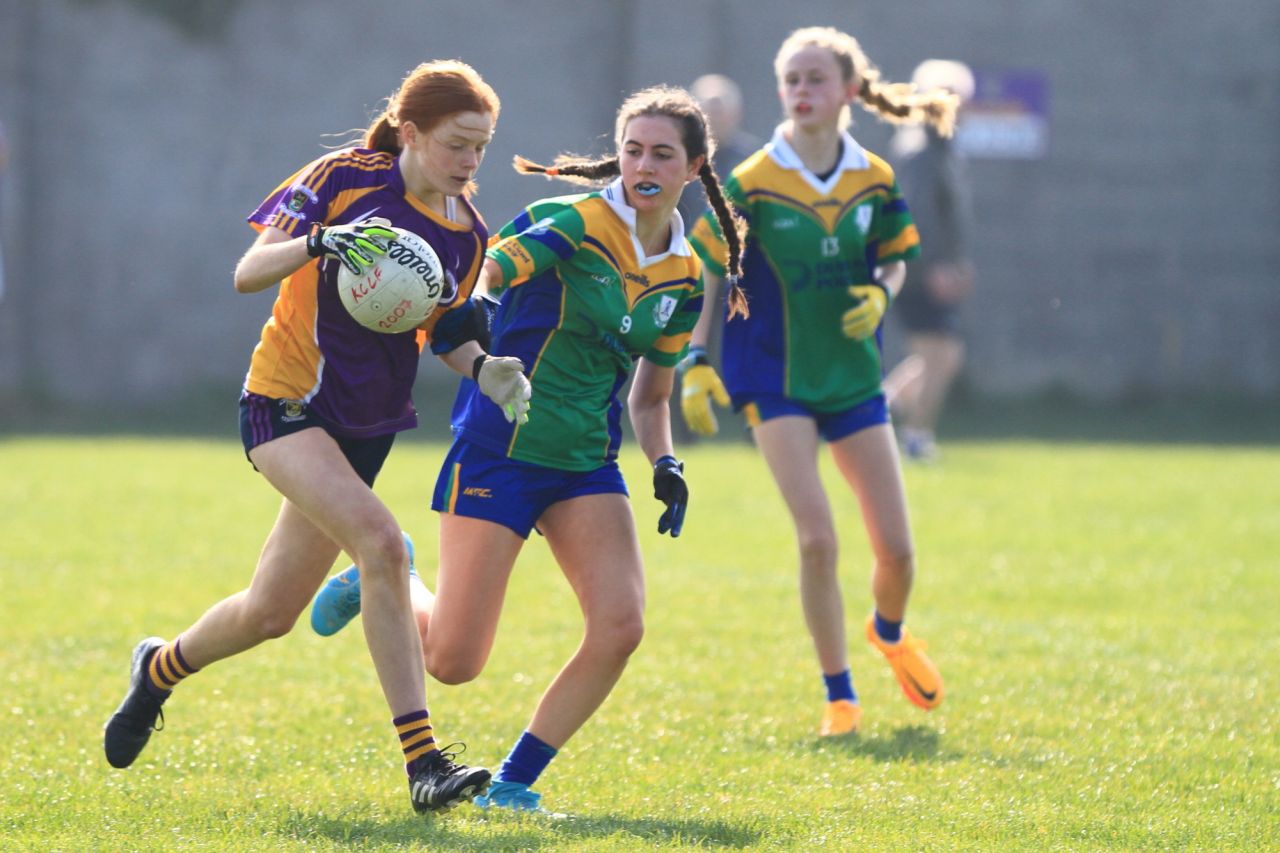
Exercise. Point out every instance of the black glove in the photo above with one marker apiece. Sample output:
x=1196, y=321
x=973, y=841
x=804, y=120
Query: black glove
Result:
x=354, y=245
x=670, y=488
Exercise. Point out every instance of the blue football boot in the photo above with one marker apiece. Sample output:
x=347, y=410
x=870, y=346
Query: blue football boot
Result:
x=516, y=797
x=338, y=601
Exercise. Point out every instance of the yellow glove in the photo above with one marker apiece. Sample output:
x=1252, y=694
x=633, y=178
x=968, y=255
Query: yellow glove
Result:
x=861, y=320
x=699, y=387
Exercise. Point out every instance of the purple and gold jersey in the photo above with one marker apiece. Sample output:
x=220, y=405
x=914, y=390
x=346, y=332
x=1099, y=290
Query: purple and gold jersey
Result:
x=808, y=240
x=581, y=303
x=311, y=349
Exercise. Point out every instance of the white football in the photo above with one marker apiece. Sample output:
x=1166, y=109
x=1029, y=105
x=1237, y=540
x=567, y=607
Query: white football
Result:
x=399, y=291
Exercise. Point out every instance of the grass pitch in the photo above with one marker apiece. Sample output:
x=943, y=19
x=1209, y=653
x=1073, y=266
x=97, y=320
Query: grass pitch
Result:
x=1104, y=616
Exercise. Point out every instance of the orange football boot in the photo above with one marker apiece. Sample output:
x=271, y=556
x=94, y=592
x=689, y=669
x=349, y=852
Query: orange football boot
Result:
x=840, y=717
x=919, y=678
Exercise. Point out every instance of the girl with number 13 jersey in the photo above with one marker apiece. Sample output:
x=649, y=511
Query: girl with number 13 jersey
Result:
x=828, y=235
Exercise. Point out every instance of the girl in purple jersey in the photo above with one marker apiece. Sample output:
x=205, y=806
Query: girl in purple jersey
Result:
x=310, y=424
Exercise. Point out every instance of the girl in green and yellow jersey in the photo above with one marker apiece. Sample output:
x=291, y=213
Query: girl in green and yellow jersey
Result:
x=828, y=235
x=590, y=285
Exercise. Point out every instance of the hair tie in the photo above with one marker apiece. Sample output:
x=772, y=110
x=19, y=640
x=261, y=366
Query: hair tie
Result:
x=552, y=171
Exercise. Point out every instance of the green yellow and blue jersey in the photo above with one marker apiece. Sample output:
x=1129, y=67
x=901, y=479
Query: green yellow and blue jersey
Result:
x=580, y=303
x=809, y=239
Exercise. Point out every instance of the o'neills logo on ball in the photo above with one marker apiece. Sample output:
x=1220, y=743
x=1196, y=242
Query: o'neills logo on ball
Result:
x=411, y=260
x=366, y=285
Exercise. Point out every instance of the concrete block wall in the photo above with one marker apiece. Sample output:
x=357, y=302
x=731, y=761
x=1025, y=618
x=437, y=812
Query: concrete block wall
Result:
x=1139, y=255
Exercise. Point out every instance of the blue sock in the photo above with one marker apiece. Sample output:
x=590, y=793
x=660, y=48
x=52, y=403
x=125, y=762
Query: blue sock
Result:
x=528, y=758
x=890, y=632
x=840, y=686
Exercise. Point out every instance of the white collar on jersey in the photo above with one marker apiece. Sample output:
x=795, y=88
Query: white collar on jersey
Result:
x=617, y=201
x=852, y=157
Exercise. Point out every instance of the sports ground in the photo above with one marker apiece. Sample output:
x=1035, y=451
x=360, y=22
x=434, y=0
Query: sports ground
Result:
x=1102, y=611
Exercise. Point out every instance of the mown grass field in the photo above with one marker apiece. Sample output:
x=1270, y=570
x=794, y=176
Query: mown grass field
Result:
x=1104, y=614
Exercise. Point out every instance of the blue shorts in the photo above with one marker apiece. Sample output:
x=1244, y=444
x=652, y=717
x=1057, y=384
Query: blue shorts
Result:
x=479, y=483
x=264, y=418
x=832, y=426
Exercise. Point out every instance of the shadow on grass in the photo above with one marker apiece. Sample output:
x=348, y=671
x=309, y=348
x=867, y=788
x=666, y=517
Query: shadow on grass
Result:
x=507, y=831
x=907, y=743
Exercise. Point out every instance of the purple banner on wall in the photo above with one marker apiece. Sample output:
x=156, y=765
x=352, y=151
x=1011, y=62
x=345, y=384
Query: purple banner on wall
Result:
x=1008, y=118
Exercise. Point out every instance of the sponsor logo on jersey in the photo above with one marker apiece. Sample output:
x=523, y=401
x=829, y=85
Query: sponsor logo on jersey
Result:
x=515, y=252
x=639, y=278
x=613, y=344
x=786, y=224
x=662, y=311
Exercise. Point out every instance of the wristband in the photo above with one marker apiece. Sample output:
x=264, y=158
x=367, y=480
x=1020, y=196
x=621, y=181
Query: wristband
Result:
x=314, y=247
x=476, y=365
x=697, y=356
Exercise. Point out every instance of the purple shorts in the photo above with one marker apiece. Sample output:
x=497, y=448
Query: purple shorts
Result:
x=264, y=418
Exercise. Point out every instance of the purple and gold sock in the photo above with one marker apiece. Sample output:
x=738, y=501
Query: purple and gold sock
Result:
x=167, y=668
x=416, y=739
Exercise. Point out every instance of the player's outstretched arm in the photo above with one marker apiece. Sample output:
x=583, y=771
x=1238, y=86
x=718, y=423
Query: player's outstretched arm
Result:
x=272, y=257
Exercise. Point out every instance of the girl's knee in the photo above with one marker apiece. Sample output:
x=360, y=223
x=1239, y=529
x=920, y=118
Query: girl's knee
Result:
x=899, y=561
x=383, y=553
x=452, y=668
x=818, y=548
x=269, y=623
x=618, y=638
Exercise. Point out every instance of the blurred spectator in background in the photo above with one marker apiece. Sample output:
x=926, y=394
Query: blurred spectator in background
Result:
x=4, y=167
x=721, y=101
x=933, y=181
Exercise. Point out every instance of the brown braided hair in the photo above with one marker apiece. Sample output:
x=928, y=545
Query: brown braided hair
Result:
x=679, y=106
